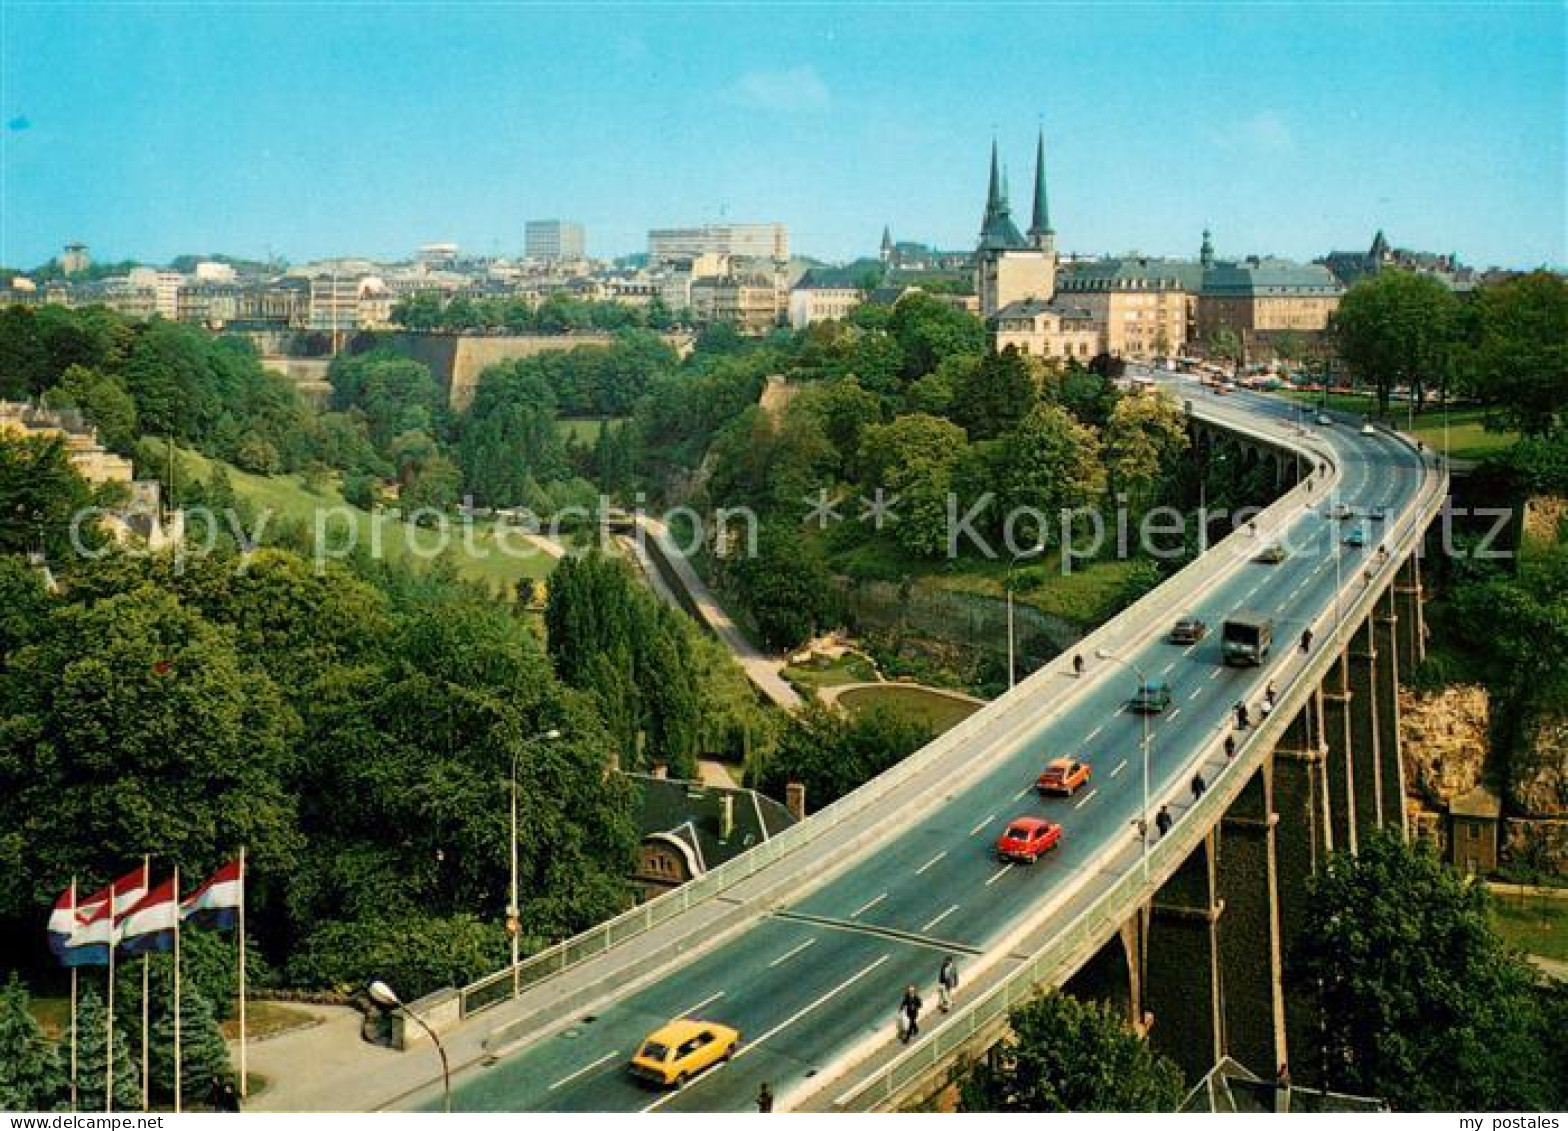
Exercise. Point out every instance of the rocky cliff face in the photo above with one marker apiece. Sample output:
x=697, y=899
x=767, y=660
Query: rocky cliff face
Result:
x=1538, y=781
x=1444, y=740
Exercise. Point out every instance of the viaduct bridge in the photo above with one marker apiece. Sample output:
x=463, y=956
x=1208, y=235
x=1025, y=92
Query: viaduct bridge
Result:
x=806, y=943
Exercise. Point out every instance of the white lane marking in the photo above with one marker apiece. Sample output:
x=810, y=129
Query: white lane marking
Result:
x=940, y=917
x=1088, y=797
x=788, y=954
x=1174, y=713
x=565, y=1080
x=1166, y=670
x=799, y=1013
x=1006, y=868
x=1196, y=691
x=1093, y=734
x=1022, y=792
x=705, y=1001
x=864, y=907
x=920, y=871
x=1215, y=674
x=989, y=818
x=1119, y=768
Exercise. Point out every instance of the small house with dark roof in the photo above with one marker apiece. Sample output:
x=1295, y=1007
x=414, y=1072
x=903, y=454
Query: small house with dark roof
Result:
x=1472, y=832
x=687, y=828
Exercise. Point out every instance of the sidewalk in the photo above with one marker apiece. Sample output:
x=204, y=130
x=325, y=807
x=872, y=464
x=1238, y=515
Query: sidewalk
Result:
x=297, y=1063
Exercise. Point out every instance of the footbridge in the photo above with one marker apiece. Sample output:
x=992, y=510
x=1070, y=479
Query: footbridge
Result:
x=805, y=944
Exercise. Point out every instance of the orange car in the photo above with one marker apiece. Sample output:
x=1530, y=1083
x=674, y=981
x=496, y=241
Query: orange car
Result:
x=1063, y=777
x=1026, y=839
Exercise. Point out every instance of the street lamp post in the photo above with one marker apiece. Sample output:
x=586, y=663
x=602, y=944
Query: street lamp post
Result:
x=382, y=994
x=1148, y=739
x=514, y=924
x=1203, y=499
x=1008, y=586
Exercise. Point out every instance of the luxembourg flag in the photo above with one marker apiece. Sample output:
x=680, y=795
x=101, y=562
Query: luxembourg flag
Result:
x=63, y=923
x=218, y=901
x=151, y=923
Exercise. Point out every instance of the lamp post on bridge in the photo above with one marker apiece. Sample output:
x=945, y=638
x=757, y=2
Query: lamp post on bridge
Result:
x=1148, y=740
x=514, y=924
x=383, y=995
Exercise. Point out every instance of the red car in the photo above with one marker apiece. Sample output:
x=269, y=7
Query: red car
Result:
x=1025, y=839
x=1063, y=776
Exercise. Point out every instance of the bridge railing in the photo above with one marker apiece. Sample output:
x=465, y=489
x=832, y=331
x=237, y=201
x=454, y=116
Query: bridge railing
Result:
x=1151, y=611
x=987, y=1014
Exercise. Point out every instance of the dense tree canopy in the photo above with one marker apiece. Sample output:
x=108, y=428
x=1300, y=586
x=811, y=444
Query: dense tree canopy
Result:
x=1397, y=328
x=1422, y=1004
x=1066, y=1055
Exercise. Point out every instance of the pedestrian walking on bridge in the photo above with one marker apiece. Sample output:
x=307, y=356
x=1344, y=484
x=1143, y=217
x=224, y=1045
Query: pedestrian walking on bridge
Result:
x=764, y=1098
x=909, y=1010
x=946, y=983
x=1162, y=820
x=1198, y=786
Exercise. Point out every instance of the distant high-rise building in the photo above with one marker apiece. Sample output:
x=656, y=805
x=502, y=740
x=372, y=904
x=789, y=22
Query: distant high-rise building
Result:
x=75, y=260
x=551, y=240
x=740, y=241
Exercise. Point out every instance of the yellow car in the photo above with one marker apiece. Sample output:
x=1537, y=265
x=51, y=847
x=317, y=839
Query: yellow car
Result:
x=684, y=1048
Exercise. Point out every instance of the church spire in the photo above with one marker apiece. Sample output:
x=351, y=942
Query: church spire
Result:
x=997, y=230
x=1040, y=225
x=993, y=198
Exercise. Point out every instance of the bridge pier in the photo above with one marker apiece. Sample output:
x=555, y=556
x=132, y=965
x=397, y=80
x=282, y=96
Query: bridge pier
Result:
x=1408, y=598
x=1385, y=621
x=1251, y=966
x=1365, y=735
x=1340, y=751
x=1182, y=964
x=1115, y=974
x=1303, y=838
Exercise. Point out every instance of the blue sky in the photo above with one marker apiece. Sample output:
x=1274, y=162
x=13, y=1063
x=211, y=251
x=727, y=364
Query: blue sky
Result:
x=148, y=130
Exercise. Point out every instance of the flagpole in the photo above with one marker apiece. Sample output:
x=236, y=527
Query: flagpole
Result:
x=146, y=993
x=177, y=989
x=108, y=1065
x=73, y=1002
x=244, y=1076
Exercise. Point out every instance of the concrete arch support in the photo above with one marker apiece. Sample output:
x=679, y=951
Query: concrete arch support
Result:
x=1251, y=963
x=1365, y=736
x=1385, y=623
x=1338, y=749
x=1182, y=981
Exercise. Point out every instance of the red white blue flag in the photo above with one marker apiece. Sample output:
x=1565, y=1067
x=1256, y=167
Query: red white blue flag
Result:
x=96, y=916
x=62, y=922
x=151, y=923
x=218, y=901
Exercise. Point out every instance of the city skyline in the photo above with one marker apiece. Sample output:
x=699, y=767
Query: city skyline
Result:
x=1288, y=131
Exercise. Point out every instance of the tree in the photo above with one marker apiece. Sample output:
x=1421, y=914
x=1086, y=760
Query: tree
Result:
x=1396, y=328
x=992, y=397
x=930, y=331
x=205, y=1071
x=1224, y=344
x=31, y=1075
x=92, y=1059
x=41, y=497
x=831, y=754
x=1421, y=1003
x=1143, y=439
x=1066, y=1055
x=785, y=586
x=1518, y=356
x=104, y=403
x=1050, y=462
x=914, y=458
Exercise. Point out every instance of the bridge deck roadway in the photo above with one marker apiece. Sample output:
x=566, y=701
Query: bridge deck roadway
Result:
x=813, y=985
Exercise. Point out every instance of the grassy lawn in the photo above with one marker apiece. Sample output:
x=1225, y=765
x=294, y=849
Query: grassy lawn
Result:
x=478, y=558
x=1468, y=437
x=848, y=668
x=1085, y=597
x=583, y=429
x=1533, y=924
x=268, y=1019
x=939, y=712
